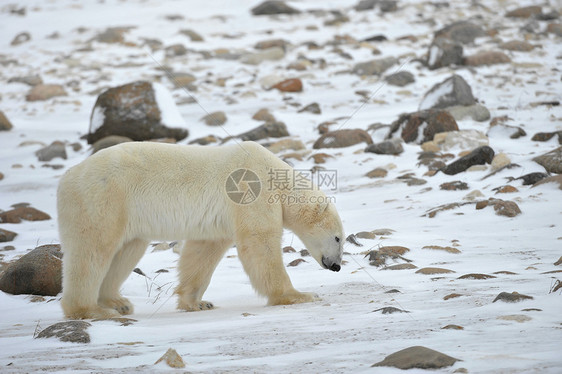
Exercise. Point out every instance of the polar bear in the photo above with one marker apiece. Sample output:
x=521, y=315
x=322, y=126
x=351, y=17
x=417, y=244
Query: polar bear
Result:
x=114, y=203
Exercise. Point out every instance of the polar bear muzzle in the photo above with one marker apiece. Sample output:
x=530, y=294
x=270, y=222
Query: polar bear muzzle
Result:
x=331, y=265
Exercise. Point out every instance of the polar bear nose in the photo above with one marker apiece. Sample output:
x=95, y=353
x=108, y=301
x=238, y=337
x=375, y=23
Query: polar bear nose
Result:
x=330, y=265
x=335, y=267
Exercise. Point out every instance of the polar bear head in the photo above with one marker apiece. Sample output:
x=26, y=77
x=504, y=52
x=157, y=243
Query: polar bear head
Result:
x=319, y=227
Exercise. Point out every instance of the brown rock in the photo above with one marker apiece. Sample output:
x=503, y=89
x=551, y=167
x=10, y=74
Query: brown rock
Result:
x=215, y=119
x=476, y=276
x=296, y=262
x=5, y=123
x=39, y=272
x=440, y=248
x=288, y=249
x=511, y=297
x=487, y=58
x=68, y=331
x=289, y=85
x=43, y=92
x=546, y=136
x=506, y=189
x=7, y=236
x=172, y=359
x=454, y=186
x=452, y=296
x=431, y=121
x=394, y=250
x=264, y=115
x=417, y=357
x=452, y=327
x=109, y=141
x=524, y=12
x=320, y=158
x=554, y=28
x=343, y=138
x=16, y=215
x=555, y=179
x=377, y=173
x=551, y=161
x=405, y=266
x=433, y=270
x=517, y=45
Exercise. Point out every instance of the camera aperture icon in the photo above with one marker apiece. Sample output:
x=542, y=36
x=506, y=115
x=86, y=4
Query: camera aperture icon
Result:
x=243, y=186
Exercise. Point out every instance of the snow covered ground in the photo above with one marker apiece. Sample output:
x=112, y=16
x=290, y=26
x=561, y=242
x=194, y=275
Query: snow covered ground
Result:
x=342, y=333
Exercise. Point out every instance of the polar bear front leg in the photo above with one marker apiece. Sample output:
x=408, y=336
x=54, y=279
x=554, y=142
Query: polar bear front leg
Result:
x=198, y=261
x=262, y=260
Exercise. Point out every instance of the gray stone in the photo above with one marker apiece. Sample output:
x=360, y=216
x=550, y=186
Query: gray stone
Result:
x=463, y=32
x=267, y=130
x=7, y=236
x=69, y=331
x=476, y=112
x=444, y=52
x=270, y=54
x=56, y=149
x=451, y=92
x=551, y=161
x=512, y=297
x=131, y=110
x=417, y=357
x=374, y=67
x=215, y=119
x=400, y=79
x=109, y=141
x=387, y=147
x=311, y=108
x=112, y=35
x=39, y=272
x=30, y=80
x=21, y=38
x=272, y=7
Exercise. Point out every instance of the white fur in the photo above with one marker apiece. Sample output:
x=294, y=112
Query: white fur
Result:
x=114, y=203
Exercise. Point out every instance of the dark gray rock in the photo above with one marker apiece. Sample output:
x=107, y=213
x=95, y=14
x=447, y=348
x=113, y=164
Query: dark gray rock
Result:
x=463, y=32
x=56, y=149
x=512, y=297
x=69, y=331
x=532, y=178
x=311, y=108
x=387, y=147
x=420, y=127
x=267, y=130
x=273, y=7
x=551, y=161
x=390, y=310
x=374, y=67
x=39, y=272
x=400, y=79
x=452, y=91
x=130, y=110
x=383, y=5
x=444, y=52
x=479, y=156
x=417, y=357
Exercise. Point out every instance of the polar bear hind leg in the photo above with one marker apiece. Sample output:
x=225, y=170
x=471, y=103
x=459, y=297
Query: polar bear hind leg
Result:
x=198, y=261
x=262, y=259
x=121, y=267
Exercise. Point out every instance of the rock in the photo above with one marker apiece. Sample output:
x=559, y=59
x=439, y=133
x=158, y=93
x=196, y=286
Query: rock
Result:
x=400, y=79
x=215, y=119
x=532, y=178
x=555, y=179
x=273, y=7
x=112, y=35
x=452, y=91
x=22, y=37
x=500, y=161
x=5, y=124
x=296, y=262
x=433, y=270
x=517, y=45
x=554, y=28
x=501, y=207
x=320, y=158
x=377, y=173
x=139, y=111
x=452, y=296
x=109, y=141
x=43, y=92
x=38, y=272
x=417, y=357
x=501, y=130
x=7, y=236
x=440, y=248
x=479, y=156
x=546, y=136
x=462, y=139
x=311, y=108
x=454, y=186
x=444, y=52
x=506, y=189
x=387, y=147
x=452, y=327
x=475, y=112
x=511, y=297
x=374, y=67
x=487, y=58
x=515, y=317
x=270, y=54
x=342, y=138
x=68, y=331
x=289, y=85
x=286, y=144
x=30, y=80
x=463, y=32
x=551, y=161
x=56, y=149
x=181, y=80
x=266, y=44
x=406, y=266
x=524, y=12
x=267, y=130
x=264, y=115
x=27, y=213
x=194, y=36
x=390, y=310
x=476, y=276
x=559, y=262
x=176, y=50
x=420, y=127
x=172, y=359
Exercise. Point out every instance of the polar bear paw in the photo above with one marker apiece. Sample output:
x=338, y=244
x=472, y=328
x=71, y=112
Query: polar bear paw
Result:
x=197, y=306
x=120, y=304
x=294, y=298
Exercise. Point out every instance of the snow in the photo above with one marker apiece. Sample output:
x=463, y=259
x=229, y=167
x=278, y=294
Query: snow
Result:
x=341, y=333
x=433, y=97
x=97, y=120
x=169, y=112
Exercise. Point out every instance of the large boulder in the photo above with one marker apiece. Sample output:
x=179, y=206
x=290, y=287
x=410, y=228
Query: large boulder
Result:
x=39, y=272
x=444, y=52
x=420, y=127
x=551, y=161
x=139, y=111
x=452, y=91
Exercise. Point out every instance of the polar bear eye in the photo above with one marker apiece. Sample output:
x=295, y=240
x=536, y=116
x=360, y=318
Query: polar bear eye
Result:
x=337, y=239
